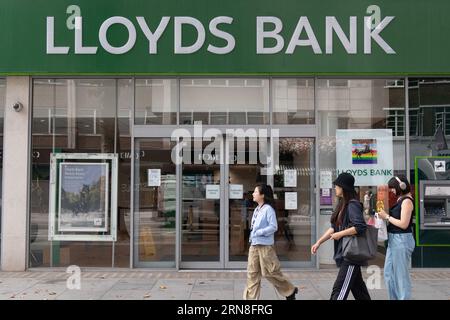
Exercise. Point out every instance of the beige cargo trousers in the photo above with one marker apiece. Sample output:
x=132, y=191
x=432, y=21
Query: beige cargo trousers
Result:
x=263, y=262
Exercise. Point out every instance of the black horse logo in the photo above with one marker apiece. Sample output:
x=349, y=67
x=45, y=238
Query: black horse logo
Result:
x=439, y=165
x=367, y=149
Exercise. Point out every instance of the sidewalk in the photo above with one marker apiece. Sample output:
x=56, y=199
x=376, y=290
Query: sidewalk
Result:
x=428, y=284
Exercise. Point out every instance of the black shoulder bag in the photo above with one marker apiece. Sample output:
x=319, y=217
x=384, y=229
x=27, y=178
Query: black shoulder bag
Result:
x=360, y=248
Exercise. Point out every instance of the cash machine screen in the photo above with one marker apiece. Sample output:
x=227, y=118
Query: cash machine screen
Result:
x=436, y=204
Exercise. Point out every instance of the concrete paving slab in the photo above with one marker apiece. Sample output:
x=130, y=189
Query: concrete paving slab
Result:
x=81, y=295
x=212, y=295
x=134, y=284
x=15, y=285
x=128, y=295
x=172, y=289
x=40, y=291
x=211, y=285
x=268, y=292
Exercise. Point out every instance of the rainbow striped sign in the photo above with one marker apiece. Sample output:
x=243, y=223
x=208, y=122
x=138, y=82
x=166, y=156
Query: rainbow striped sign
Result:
x=364, y=151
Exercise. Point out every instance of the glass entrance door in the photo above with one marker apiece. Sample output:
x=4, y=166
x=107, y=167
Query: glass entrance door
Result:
x=202, y=195
x=293, y=182
x=217, y=202
x=197, y=214
x=244, y=171
x=154, y=204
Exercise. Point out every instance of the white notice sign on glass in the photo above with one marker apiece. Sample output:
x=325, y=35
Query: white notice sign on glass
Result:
x=326, y=192
x=290, y=200
x=326, y=180
x=236, y=191
x=212, y=191
x=290, y=178
x=154, y=177
x=439, y=166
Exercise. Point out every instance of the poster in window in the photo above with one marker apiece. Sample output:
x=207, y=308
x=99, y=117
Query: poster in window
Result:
x=236, y=191
x=326, y=179
x=154, y=177
x=83, y=197
x=290, y=200
x=290, y=178
x=366, y=154
x=212, y=191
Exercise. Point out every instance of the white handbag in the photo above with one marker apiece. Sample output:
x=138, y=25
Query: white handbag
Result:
x=380, y=224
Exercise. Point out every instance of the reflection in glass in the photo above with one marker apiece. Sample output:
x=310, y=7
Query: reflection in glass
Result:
x=156, y=101
x=200, y=218
x=429, y=120
x=224, y=101
x=360, y=104
x=72, y=116
x=243, y=177
x=293, y=101
x=293, y=238
x=155, y=203
x=123, y=148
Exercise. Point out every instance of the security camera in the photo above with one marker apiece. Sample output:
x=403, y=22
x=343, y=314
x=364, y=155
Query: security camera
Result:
x=17, y=107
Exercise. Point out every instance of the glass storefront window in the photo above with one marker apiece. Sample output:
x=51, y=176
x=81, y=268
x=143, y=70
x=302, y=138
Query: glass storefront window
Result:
x=296, y=217
x=346, y=104
x=224, y=101
x=429, y=108
x=123, y=148
x=246, y=175
x=96, y=116
x=293, y=101
x=155, y=203
x=429, y=127
x=77, y=116
x=200, y=217
x=156, y=101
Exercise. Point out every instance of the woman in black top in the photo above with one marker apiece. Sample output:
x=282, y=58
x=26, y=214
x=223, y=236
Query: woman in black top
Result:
x=400, y=240
x=347, y=220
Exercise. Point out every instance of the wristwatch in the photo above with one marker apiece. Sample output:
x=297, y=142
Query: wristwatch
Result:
x=387, y=219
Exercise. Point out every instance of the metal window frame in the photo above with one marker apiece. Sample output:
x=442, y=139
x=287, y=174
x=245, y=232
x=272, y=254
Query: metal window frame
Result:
x=285, y=131
x=316, y=131
x=134, y=238
x=52, y=234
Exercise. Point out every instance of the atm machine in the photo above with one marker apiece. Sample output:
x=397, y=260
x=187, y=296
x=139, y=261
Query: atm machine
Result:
x=435, y=204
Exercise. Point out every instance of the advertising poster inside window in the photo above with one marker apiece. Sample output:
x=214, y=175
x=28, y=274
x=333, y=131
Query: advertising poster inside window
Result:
x=366, y=154
x=83, y=197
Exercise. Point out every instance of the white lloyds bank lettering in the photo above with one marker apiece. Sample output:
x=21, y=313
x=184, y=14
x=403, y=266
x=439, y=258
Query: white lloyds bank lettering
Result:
x=153, y=37
x=179, y=22
x=79, y=48
x=270, y=37
x=231, y=42
x=102, y=35
x=348, y=43
x=261, y=34
x=303, y=23
x=375, y=35
x=304, y=36
x=51, y=48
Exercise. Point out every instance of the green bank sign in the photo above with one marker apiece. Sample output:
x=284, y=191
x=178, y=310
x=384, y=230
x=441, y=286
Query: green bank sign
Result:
x=224, y=37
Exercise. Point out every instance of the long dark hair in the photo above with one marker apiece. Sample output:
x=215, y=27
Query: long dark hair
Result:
x=267, y=192
x=338, y=215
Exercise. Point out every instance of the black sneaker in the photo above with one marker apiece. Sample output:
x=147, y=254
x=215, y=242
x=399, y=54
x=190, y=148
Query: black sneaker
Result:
x=292, y=296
